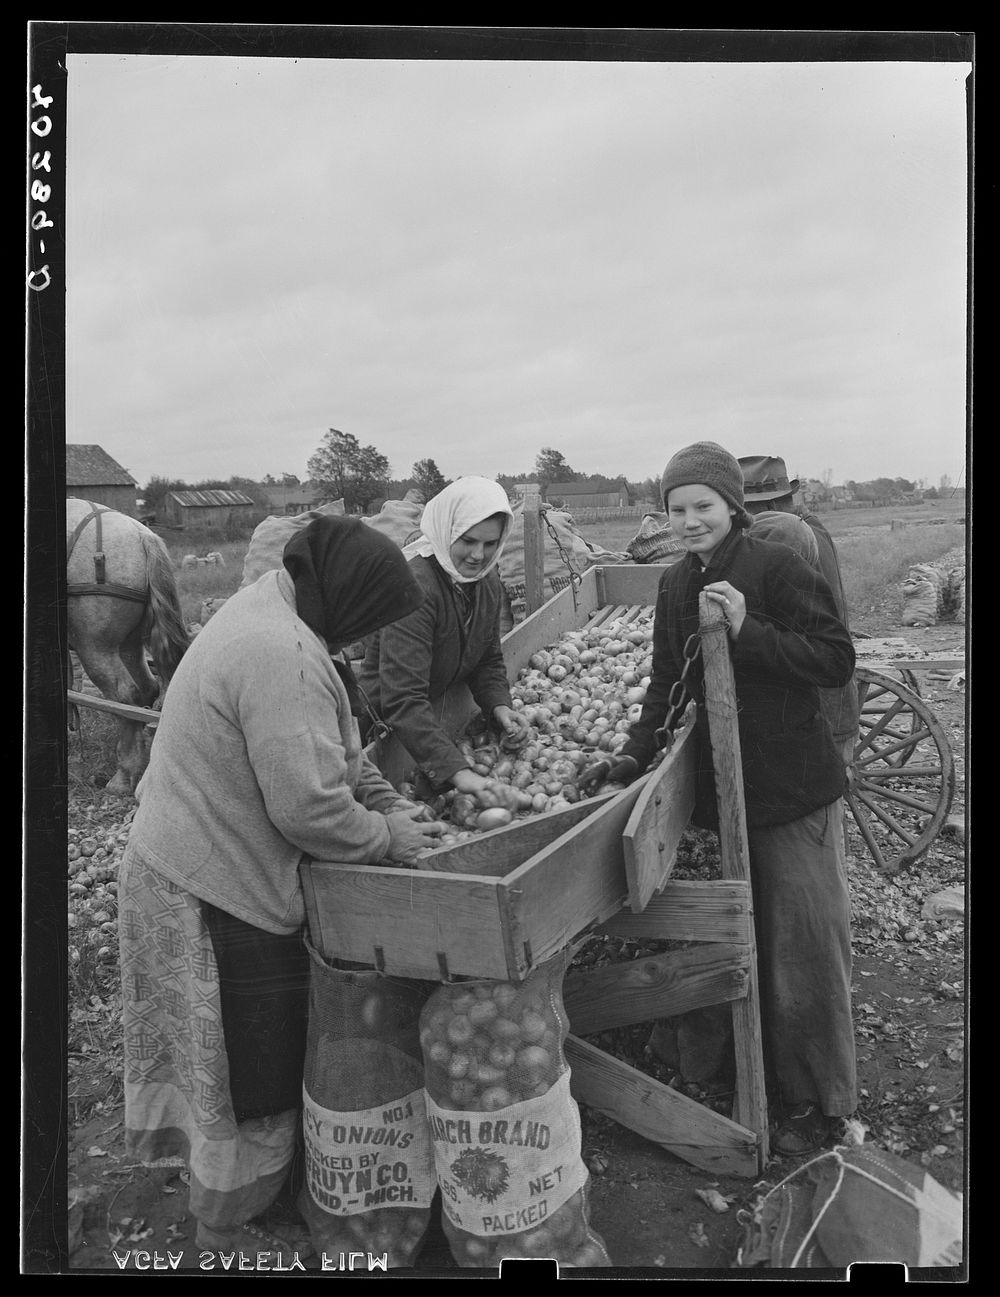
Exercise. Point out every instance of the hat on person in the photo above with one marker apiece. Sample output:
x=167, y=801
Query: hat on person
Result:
x=765, y=477
x=706, y=463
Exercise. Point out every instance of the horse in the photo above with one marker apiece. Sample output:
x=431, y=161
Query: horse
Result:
x=122, y=598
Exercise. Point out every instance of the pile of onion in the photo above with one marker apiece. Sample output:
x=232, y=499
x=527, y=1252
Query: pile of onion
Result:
x=579, y=697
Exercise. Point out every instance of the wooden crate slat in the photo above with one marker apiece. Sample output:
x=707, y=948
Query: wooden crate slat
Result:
x=658, y=986
x=579, y=879
x=412, y=917
x=678, y=1124
x=631, y=583
x=498, y=852
x=658, y=821
x=722, y=708
x=549, y=623
x=690, y=910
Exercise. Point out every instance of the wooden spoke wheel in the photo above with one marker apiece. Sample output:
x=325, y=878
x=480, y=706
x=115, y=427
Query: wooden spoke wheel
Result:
x=902, y=779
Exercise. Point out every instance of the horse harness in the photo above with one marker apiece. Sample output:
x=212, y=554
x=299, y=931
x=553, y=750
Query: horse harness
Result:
x=100, y=585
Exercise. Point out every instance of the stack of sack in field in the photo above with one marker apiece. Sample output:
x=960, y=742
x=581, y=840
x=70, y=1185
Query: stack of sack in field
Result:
x=654, y=542
x=558, y=530
x=397, y=519
x=270, y=537
x=934, y=592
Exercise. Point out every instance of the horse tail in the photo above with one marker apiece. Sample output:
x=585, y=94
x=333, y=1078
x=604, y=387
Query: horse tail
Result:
x=168, y=636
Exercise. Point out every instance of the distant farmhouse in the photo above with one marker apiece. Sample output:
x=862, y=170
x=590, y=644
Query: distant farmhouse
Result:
x=91, y=474
x=190, y=510
x=591, y=493
x=291, y=499
x=814, y=493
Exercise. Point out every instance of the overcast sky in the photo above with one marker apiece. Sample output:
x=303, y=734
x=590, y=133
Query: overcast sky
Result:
x=470, y=261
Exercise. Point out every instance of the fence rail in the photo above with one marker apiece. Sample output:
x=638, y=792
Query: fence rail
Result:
x=595, y=513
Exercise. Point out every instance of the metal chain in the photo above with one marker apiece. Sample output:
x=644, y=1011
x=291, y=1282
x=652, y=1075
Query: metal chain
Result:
x=680, y=695
x=574, y=577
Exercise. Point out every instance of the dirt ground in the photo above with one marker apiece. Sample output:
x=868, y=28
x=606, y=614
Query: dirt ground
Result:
x=909, y=1005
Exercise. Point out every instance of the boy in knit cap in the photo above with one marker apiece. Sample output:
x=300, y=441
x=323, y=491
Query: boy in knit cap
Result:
x=787, y=642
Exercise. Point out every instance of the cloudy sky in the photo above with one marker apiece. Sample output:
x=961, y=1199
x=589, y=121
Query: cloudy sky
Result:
x=470, y=261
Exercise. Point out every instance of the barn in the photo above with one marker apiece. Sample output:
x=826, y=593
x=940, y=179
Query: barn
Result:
x=190, y=510
x=291, y=499
x=91, y=474
x=591, y=493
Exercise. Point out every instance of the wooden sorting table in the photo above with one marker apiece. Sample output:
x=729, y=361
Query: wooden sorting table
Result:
x=501, y=904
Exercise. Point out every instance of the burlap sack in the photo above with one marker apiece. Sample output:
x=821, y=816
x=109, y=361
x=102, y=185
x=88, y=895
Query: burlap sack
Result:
x=369, y=1179
x=654, y=542
x=579, y=553
x=267, y=544
x=923, y=595
x=399, y=519
x=504, y=1127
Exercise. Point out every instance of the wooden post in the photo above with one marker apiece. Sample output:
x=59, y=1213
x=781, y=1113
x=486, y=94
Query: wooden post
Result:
x=734, y=851
x=534, y=550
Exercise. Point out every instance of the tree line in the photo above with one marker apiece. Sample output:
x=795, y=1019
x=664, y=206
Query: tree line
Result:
x=341, y=468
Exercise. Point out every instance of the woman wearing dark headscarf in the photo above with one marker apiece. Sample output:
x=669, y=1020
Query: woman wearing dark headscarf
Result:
x=257, y=764
x=453, y=637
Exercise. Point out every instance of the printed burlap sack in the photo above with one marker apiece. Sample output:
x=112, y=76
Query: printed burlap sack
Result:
x=504, y=1127
x=369, y=1170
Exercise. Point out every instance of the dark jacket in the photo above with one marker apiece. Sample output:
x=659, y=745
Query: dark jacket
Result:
x=409, y=665
x=791, y=644
x=840, y=706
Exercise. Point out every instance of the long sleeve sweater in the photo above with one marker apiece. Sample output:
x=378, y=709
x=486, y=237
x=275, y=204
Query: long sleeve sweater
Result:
x=257, y=763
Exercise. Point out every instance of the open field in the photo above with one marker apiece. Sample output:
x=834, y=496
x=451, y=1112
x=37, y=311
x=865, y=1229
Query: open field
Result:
x=873, y=551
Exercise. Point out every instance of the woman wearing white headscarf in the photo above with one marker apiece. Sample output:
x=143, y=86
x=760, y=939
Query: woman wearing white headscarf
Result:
x=454, y=636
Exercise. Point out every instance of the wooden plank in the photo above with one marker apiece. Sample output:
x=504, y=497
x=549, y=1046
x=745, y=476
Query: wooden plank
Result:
x=631, y=583
x=678, y=1124
x=534, y=551
x=658, y=821
x=912, y=664
x=689, y=910
x=550, y=623
x=722, y=709
x=499, y=851
x=414, y=918
x=143, y=715
x=579, y=879
x=658, y=986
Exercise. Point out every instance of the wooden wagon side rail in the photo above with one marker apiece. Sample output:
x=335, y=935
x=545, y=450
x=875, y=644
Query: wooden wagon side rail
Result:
x=144, y=715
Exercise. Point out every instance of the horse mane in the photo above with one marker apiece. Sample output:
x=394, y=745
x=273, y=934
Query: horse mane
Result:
x=168, y=636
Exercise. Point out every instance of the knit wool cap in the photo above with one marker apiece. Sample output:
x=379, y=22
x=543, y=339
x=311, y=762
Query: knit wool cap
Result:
x=705, y=463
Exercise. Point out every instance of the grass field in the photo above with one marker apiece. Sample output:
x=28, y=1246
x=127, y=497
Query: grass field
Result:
x=874, y=553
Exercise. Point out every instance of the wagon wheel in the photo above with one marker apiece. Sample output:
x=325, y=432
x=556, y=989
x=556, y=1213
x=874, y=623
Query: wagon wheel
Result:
x=902, y=779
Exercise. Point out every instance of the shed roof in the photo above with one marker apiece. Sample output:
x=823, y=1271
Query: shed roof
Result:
x=93, y=466
x=205, y=499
